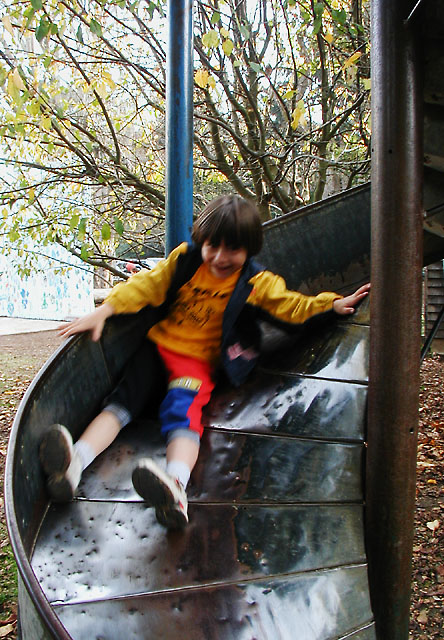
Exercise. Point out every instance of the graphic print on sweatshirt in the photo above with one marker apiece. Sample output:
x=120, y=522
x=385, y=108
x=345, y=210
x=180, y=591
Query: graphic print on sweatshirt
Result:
x=194, y=322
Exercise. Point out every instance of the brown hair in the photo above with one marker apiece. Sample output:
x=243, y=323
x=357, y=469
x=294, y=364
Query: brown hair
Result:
x=230, y=219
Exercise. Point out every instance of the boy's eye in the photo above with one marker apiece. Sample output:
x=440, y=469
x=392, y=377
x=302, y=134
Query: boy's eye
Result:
x=214, y=244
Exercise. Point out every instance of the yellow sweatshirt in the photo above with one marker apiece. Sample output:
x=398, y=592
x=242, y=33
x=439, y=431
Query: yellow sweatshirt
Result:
x=194, y=322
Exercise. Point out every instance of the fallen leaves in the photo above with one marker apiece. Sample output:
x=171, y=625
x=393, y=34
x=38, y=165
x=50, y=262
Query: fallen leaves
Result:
x=428, y=551
x=8, y=626
x=422, y=617
x=6, y=630
x=12, y=618
x=433, y=526
x=21, y=356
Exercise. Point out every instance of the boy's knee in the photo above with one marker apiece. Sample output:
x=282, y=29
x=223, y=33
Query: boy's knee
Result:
x=192, y=435
x=120, y=412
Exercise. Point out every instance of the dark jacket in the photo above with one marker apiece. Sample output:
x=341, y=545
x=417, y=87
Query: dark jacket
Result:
x=258, y=295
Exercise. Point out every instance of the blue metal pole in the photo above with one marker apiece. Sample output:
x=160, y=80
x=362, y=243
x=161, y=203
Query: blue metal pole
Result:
x=179, y=124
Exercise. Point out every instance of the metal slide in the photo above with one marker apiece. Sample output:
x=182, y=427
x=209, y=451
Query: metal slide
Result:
x=275, y=546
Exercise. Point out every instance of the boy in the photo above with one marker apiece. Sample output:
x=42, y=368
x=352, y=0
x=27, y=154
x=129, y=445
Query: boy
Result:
x=210, y=297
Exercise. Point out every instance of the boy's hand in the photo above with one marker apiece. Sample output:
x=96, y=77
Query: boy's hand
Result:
x=93, y=322
x=346, y=305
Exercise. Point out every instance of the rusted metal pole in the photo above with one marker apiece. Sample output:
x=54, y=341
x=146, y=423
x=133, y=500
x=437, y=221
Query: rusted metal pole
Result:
x=395, y=312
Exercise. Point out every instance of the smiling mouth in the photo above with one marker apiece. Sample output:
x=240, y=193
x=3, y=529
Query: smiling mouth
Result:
x=223, y=269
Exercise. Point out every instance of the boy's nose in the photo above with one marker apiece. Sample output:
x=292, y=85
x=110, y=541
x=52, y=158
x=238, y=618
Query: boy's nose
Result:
x=220, y=253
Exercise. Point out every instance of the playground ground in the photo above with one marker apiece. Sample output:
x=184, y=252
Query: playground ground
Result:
x=21, y=356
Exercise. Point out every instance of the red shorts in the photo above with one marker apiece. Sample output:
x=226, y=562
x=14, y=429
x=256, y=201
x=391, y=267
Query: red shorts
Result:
x=190, y=383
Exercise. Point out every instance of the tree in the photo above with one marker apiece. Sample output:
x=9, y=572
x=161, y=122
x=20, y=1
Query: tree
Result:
x=293, y=102
x=281, y=103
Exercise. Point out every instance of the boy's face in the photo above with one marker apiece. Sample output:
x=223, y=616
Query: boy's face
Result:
x=221, y=260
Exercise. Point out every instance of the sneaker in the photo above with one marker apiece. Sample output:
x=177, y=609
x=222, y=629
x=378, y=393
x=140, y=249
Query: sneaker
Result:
x=174, y=516
x=55, y=449
x=162, y=491
x=60, y=463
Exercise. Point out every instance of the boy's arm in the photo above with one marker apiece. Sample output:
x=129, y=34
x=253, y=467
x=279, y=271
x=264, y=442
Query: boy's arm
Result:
x=145, y=287
x=346, y=305
x=270, y=293
x=93, y=322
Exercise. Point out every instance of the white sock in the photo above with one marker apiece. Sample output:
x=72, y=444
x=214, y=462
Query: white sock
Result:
x=180, y=470
x=85, y=452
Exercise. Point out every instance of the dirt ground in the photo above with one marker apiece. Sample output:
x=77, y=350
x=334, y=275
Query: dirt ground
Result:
x=22, y=355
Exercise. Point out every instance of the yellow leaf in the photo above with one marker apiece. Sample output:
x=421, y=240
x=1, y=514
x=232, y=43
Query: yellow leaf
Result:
x=45, y=123
x=106, y=77
x=201, y=78
x=211, y=82
x=228, y=47
x=352, y=59
x=298, y=115
x=12, y=90
x=224, y=32
x=329, y=36
x=289, y=94
x=210, y=39
x=101, y=90
x=16, y=79
x=367, y=84
x=7, y=24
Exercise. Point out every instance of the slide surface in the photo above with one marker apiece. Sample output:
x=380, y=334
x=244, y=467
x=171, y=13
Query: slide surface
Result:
x=275, y=541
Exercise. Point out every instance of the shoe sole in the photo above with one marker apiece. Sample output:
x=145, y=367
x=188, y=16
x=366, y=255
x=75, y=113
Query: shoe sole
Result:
x=55, y=452
x=151, y=488
x=171, y=518
x=59, y=488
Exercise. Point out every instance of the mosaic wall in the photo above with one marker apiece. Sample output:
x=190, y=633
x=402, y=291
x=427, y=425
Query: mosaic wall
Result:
x=46, y=295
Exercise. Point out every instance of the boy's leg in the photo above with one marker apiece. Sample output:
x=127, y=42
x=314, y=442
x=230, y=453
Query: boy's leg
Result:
x=189, y=390
x=184, y=450
x=64, y=461
x=141, y=387
x=101, y=432
x=165, y=490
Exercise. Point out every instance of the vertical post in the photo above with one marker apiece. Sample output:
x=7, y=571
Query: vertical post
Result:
x=179, y=124
x=395, y=311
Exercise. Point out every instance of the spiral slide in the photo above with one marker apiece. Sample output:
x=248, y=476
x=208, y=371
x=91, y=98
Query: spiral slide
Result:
x=275, y=546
